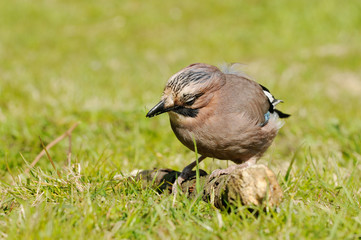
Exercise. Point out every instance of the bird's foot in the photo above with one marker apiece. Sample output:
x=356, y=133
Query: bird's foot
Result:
x=178, y=182
x=186, y=176
x=176, y=188
x=218, y=172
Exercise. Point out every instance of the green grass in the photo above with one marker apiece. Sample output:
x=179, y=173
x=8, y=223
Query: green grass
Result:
x=104, y=64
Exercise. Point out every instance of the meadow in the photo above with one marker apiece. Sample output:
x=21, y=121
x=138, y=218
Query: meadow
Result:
x=103, y=64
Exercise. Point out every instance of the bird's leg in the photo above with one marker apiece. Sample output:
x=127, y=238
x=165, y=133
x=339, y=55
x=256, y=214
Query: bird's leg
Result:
x=185, y=174
x=219, y=172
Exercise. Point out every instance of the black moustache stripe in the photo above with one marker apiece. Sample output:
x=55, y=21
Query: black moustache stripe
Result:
x=187, y=112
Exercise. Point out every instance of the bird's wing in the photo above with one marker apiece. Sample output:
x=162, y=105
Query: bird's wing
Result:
x=246, y=97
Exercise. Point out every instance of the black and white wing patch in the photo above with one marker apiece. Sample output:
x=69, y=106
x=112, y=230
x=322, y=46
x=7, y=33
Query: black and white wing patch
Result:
x=273, y=102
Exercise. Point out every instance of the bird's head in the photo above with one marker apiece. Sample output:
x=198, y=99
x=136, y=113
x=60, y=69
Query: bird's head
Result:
x=189, y=90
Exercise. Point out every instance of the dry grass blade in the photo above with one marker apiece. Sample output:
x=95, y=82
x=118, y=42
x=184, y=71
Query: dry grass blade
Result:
x=49, y=157
x=50, y=145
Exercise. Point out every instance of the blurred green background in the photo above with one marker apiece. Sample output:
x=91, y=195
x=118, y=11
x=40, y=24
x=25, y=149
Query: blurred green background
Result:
x=104, y=64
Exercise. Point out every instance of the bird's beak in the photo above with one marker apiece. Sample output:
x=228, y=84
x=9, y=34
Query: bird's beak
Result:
x=158, y=109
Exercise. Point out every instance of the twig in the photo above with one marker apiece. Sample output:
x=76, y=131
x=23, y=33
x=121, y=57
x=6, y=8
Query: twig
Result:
x=50, y=145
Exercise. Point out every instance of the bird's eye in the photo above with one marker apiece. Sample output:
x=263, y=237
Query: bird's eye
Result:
x=190, y=101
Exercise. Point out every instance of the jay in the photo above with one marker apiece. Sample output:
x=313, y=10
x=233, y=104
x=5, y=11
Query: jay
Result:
x=221, y=113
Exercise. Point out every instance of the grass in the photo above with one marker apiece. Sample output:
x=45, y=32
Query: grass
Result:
x=104, y=64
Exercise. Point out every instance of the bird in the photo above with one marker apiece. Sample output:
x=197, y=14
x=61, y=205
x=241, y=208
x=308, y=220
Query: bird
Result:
x=221, y=114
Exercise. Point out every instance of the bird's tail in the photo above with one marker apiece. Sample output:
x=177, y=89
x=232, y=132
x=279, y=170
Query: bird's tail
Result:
x=281, y=114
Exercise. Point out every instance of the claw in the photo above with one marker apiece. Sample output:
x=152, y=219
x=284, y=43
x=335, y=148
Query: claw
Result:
x=218, y=172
